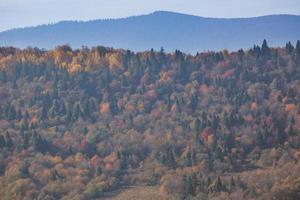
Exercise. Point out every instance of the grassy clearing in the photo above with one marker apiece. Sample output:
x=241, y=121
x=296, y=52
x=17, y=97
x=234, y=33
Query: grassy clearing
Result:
x=138, y=193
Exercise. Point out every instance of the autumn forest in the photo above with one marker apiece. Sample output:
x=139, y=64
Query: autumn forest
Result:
x=81, y=123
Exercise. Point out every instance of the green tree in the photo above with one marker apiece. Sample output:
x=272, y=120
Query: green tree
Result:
x=289, y=48
x=265, y=48
x=298, y=48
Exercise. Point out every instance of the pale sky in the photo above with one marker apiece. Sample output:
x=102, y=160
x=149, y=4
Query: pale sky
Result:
x=21, y=13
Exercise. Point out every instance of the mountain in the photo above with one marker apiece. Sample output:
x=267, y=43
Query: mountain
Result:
x=160, y=29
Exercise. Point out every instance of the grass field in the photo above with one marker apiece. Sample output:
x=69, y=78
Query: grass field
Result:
x=138, y=193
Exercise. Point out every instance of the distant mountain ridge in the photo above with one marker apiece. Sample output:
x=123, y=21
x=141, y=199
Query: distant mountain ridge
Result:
x=169, y=30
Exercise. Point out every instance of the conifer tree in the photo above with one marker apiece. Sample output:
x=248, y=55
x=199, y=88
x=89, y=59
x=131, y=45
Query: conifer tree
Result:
x=265, y=48
x=2, y=142
x=298, y=48
x=12, y=113
x=289, y=48
x=218, y=184
x=8, y=140
x=231, y=184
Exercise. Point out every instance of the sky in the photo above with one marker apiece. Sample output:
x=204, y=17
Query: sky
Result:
x=22, y=13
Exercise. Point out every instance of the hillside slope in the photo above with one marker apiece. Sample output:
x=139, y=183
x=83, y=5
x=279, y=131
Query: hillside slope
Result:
x=86, y=123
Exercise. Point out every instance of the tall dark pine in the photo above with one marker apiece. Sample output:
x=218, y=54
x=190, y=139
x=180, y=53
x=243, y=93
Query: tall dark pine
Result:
x=289, y=48
x=265, y=48
x=8, y=140
x=2, y=141
x=12, y=113
x=298, y=48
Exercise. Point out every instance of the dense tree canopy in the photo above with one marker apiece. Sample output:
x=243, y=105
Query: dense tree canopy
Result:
x=75, y=124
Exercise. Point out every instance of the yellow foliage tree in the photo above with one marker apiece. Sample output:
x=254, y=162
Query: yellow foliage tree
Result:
x=104, y=108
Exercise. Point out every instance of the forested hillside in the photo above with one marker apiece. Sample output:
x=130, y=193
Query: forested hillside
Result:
x=76, y=124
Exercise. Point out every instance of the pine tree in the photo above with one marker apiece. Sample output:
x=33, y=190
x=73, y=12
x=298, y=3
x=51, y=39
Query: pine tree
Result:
x=265, y=48
x=196, y=126
x=298, y=48
x=208, y=182
x=289, y=48
x=240, y=57
x=25, y=121
x=193, y=102
x=44, y=113
x=39, y=143
x=280, y=136
x=185, y=182
x=178, y=105
x=261, y=139
x=62, y=109
x=218, y=184
x=113, y=105
x=12, y=113
x=190, y=182
x=190, y=157
x=54, y=91
x=77, y=112
x=229, y=141
x=3, y=76
x=170, y=158
x=231, y=184
x=291, y=131
x=1, y=112
x=86, y=109
x=24, y=171
x=8, y=140
x=69, y=116
x=19, y=115
x=25, y=141
x=2, y=142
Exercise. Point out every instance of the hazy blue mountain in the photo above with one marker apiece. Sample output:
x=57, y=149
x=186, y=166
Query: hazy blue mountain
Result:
x=160, y=29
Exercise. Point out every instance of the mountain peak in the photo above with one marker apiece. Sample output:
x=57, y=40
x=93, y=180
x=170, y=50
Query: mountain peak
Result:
x=169, y=13
x=160, y=12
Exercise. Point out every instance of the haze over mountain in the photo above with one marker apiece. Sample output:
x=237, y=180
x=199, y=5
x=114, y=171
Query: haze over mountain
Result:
x=160, y=29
